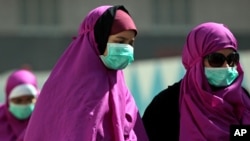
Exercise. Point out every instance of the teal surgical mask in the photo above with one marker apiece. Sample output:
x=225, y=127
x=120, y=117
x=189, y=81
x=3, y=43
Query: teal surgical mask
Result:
x=119, y=56
x=221, y=76
x=21, y=111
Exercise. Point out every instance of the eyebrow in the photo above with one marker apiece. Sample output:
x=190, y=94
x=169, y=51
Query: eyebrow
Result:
x=123, y=38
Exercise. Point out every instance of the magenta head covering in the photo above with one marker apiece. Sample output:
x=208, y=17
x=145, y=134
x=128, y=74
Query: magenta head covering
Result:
x=82, y=100
x=207, y=114
x=12, y=128
x=18, y=77
x=122, y=22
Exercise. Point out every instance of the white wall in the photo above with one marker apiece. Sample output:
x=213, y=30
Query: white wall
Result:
x=71, y=12
x=146, y=78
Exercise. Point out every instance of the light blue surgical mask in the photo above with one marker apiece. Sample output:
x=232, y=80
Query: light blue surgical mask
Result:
x=119, y=56
x=221, y=76
x=21, y=111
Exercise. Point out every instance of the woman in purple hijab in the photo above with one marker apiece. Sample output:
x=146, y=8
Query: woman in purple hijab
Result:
x=21, y=92
x=85, y=98
x=209, y=98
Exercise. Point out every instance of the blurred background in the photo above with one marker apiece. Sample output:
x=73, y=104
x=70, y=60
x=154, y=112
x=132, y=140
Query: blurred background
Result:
x=34, y=33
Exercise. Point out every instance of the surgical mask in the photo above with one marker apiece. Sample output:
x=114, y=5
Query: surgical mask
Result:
x=119, y=56
x=221, y=76
x=21, y=111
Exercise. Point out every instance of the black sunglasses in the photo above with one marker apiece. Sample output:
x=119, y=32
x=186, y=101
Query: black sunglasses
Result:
x=218, y=59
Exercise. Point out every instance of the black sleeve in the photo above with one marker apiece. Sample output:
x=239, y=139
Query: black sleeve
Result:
x=246, y=91
x=161, y=117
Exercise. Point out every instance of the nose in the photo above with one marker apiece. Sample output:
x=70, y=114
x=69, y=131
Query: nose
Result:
x=225, y=64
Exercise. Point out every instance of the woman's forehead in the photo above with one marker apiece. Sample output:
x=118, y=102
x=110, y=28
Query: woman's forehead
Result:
x=226, y=50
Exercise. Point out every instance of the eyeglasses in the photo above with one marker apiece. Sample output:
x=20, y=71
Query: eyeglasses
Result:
x=218, y=59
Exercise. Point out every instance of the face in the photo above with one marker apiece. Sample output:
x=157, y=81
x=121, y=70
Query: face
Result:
x=26, y=99
x=228, y=56
x=125, y=37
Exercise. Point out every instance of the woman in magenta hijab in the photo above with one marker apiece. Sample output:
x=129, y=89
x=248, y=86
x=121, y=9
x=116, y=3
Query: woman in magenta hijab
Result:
x=21, y=93
x=85, y=98
x=209, y=98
